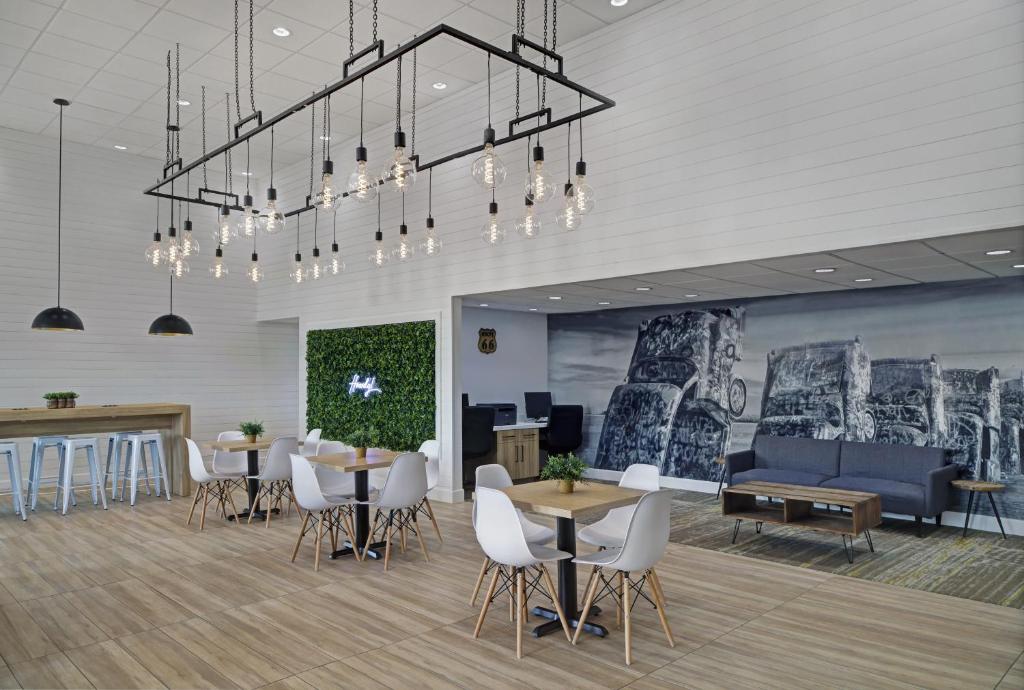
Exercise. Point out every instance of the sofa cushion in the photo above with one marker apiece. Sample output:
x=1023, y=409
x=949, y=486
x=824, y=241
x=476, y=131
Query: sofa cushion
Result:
x=811, y=455
x=889, y=461
x=779, y=477
x=897, y=497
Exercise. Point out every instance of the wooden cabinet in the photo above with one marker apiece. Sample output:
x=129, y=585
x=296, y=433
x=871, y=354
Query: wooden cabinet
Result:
x=518, y=450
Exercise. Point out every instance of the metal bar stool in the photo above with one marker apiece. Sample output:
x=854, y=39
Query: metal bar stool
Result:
x=35, y=468
x=65, y=483
x=14, y=472
x=118, y=454
x=137, y=461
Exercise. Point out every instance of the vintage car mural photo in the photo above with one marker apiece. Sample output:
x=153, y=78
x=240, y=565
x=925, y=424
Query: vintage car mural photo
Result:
x=907, y=401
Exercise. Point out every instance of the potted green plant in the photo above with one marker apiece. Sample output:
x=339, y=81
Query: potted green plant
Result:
x=360, y=439
x=52, y=400
x=566, y=470
x=69, y=398
x=252, y=430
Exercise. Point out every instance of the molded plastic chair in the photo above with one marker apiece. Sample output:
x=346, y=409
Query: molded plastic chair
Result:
x=233, y=465
x=431, y=449
x=276, y=477
x=334, y=482
x=501, y=536
x=14, y=472
x=497, y=477
x=645, y=543
x=610, y=531
x=207, y=483
x=322, y=512
x=309, y=446
x=399, y=502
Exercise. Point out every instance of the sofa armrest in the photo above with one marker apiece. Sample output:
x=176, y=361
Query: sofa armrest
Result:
x=937, y=488
x=738, y=462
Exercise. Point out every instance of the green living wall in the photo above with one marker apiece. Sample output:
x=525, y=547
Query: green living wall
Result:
x=399, y=355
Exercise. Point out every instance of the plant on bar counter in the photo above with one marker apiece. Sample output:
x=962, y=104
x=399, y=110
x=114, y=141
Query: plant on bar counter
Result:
x=252, y=430
x=565, y=469
x=362, y=438
x=52, y=400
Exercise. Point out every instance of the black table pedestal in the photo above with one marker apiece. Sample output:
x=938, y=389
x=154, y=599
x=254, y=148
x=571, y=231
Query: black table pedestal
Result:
x=566, y=541
x=362, y=522
x=252, y=487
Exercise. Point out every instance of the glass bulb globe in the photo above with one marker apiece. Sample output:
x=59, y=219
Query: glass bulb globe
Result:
x=223, y=234
x=380, y=256
x=488, y=170
x=584, y=195
x=529, y=225
x=248, y=222
x=431, y=244
x=272, y=219
x=335, y=265
x=179, y=268
x=189, y=244
x=569, y=218
x=218, y=269
x=538, y=187
x=173, y=250
x=401, y=172
x=327, y=197
x=155, y=253
x=254, y=272
x=362, y=185
x=315, y=269
x=298, y=272
x=493, y=231
x=404, y=250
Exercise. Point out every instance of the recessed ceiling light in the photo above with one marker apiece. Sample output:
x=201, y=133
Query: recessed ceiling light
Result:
x=533, y=308
x=554, y=297
x=827, y=269
x=693, y=294
x=619, y=3
x=1018, y=265
x=643, y=289
x=120, y=148
x=281, y=31
x=862, y=280
x=182, y=101
x=603, y=304
x=485, y=305
x=998, y=252
x=440, y=85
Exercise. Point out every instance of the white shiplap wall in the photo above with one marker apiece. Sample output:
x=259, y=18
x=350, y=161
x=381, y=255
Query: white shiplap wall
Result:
x=744, y=130
x=232, y=368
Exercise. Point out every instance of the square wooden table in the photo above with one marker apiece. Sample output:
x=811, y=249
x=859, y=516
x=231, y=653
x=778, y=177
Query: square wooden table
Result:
x=588, y=498
x=252, y=486
x=376, y=458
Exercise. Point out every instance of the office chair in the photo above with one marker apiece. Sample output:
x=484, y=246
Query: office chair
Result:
x=477, y=440
x=565, y=429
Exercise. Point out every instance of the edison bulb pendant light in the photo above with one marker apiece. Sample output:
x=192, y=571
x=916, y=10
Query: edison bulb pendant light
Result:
x=335, y=265
x=327, y=197
x=173, y=250
x=488, y=170
x=156, y=255
x=223, y=232
x=400, y=175
x=362, y=185
x=189, y=244
x=405, y=249
x=179, y=267
x=538, y=186
x=273, y=219
x=493, y=231
x=431, y=245
x=218, y=269
x=584, y=192
x=298, y=272
x=254, y=272
x=249, y=220
x=529, y=225
x=569, y=218
x=315, y=270
x=379, y=257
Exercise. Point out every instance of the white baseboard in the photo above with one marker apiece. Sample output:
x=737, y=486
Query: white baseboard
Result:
x=445, y=495
x=986, y=523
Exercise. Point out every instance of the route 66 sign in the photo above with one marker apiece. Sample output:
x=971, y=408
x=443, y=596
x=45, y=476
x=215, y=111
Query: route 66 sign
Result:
x=487, y=342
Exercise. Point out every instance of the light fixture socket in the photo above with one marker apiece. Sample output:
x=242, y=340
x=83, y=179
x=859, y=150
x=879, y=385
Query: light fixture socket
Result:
x=224, y=210
x=527, y=201
x=360, y=154
x=328, y=167
x=316, y=252
x=255, y=256
x=172, y=231
x=247, y=200
x=538, y=154
x=581, y=168
x=188, y=226
x=156, y=236
x=271, y=194
x=378, y=236
x=489, y=136
x=399, y=139
x=493, y=208
x=219, y=253
x=403, y=229
x=567, y=189
x=298, y=257
x=334, y=247
x=430, y=223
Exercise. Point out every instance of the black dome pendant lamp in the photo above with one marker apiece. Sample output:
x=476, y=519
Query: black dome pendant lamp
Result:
x=58, y=318
x=170, y=323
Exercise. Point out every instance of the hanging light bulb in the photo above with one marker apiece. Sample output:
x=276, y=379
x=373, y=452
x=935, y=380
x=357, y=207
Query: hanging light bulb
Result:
x=431, y=245
x=173, y=250
x=179, y=267
x=401, y=172
x=538, y=187
x=583, y=191
x=493, y=231
x=223, y=233
x=273, y=220
x=335, y=265
x=298, y=272
x=327, y=197
x=189, y=243
x=155, y=252
x=255, y=271
x=529, y=225
x=488, y=170
x=249, y=220
x=362, y=185
x=315, y=269
x=405, y=249
x=218, y=269
x=380, y=256
x=569, y=218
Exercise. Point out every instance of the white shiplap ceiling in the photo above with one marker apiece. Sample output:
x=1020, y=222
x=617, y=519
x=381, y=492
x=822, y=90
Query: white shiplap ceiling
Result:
x=108, y=58
x=955, y=257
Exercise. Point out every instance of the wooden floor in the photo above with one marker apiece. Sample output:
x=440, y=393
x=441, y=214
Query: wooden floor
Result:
x=133, y=598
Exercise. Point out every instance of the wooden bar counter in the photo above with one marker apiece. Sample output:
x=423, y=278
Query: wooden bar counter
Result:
x=173, y=420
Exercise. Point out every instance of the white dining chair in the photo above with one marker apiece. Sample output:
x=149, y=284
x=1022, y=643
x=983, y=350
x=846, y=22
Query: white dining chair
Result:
x=398, y=502
x=334, y=482
x=644, y=545
x=610, y=531
x=501, y=536
x=431, y=449
x=210, y=486
x=497, y=477
x=275, y=479
x=233, y=464
x=309, y=446
x=323, y=513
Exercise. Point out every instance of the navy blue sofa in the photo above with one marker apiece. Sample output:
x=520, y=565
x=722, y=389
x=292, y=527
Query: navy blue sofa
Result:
x=911, y=480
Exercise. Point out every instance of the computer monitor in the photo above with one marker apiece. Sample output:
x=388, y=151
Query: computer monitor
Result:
x=538, y=405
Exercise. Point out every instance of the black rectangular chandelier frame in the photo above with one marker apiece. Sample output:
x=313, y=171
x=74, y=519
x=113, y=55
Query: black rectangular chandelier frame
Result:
x=513, y=56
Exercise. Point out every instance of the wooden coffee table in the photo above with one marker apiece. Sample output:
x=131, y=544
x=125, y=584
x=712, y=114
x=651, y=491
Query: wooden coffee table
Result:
x=797, y=509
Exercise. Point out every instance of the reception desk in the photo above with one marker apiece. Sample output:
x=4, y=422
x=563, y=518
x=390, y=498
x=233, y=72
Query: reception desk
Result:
x=517, y=448
x=173, y=420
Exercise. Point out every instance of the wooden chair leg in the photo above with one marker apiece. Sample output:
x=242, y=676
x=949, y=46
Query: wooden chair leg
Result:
x=659, y=599
x=227, y=491
x=259, y=492
x=332, y=526
x=387, y=545
x=433, y=520
x=206, y=502
x=369, y=537
x=620, y=594
x=270, y=502
x=553, y=593
x=520, y=599
x=487, y=602
x=192, y=510
x=479, y=580
x=302, y=533
x=319, y=538
x=626, y=600
x=419, y=536
x=350, y=533
x=588, y=601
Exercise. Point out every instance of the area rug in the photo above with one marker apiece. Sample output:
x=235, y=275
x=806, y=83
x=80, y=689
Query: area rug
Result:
x=983, y=566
